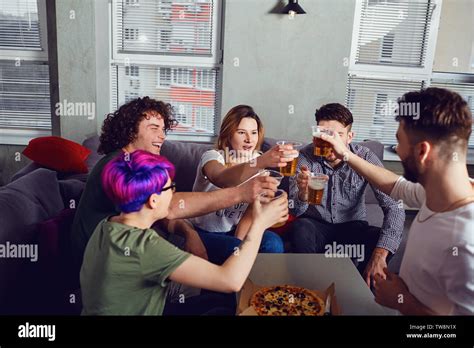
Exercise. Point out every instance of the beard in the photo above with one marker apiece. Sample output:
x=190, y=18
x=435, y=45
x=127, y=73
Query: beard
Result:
x=410, y=172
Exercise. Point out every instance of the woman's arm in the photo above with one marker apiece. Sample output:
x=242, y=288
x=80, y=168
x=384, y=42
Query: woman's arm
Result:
x=232, y=274
x=223, y=177
x=244, y=224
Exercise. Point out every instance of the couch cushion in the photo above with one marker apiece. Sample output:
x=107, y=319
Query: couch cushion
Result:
x=92, y=144
x=55, y=280
x=71, y=191
x=185, y=157
x=24, y=203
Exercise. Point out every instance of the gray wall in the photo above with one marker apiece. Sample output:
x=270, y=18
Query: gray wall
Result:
x=76, y=64
x=284, y=63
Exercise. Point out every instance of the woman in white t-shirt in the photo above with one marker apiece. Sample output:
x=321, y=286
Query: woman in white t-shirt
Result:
x=235, y=159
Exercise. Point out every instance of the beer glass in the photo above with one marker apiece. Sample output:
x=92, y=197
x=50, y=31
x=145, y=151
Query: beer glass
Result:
x=321, y=147
x=278, y=194
x=316, y=184
x=274, y=174
x=290, y=168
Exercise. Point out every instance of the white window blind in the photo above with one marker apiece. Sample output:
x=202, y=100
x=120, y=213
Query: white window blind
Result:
x=394, y=29
x=25, y=110
x=19, y=25
x=372, y=102
x=392, y=53
x=170, y=48
x=166, y=26
x=464, y=85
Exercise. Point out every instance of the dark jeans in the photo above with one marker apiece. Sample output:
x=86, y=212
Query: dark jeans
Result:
x=308, y=235
x=220, y=245
x=208, y=303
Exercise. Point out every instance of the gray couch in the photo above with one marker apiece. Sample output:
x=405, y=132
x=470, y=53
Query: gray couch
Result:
x=186, y=156
x=37, y=194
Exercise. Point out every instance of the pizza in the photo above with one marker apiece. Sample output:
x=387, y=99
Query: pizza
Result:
x=286, y=300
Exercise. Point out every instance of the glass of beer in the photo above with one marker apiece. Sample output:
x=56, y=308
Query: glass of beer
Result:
x=278, y=194
x=321, y=147
x=290, y=168
x=274, y=174
x=316, y=184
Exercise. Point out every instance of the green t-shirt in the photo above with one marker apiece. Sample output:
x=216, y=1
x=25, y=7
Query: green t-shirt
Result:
x=126, y=269
x=93, y=207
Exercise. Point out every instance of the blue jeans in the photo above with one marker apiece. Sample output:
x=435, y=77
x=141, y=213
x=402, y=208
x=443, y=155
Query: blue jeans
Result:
x=220, y=245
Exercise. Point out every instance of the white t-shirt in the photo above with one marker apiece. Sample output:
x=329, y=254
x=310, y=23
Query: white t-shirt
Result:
x=223, y=220
x=438, y=265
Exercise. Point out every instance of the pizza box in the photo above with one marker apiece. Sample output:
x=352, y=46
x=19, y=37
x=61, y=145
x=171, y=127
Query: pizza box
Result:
x=250, y=288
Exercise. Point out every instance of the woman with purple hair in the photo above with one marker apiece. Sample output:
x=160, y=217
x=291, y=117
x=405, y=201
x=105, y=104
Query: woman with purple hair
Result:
x=127, y=265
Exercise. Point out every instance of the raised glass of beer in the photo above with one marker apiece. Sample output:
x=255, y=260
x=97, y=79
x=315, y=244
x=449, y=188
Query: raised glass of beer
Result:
x=278, y=194
x=316, y=184
x=290, y=168
x=321, y=147
x=269, y=172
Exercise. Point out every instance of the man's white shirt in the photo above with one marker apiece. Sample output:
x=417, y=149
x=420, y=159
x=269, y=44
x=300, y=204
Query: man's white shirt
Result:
x=438, y=264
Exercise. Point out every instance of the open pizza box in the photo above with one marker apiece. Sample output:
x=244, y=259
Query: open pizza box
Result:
x=250, y=288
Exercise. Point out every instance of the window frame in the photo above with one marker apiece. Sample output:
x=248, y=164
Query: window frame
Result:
x=212, y=61
x=22, y=136
x=413, y=72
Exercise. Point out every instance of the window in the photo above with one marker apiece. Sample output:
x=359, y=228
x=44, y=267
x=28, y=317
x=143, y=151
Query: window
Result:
x=387, y=48
x=132, y=70
x=164, y=77
x=132, y=3
x=392, y=53
x=25, y=111
x=459, y=83
x=131, y=34
x=175, y=47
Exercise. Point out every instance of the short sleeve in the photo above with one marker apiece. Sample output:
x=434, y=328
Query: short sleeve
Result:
x=159, y=258
x=413, y=195
x=212, y=155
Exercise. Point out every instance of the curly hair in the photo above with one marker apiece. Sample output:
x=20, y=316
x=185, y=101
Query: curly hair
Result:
x=120, y=128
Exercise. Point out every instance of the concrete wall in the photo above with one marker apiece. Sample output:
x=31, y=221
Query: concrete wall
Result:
x=455, y=45
x=77, y=66
x=278, y=65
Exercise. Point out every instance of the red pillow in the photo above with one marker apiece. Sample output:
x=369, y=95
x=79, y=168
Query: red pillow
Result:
x=58, y=153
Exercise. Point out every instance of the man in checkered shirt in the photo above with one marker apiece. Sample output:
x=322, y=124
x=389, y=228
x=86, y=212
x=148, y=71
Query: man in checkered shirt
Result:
x=341, y=218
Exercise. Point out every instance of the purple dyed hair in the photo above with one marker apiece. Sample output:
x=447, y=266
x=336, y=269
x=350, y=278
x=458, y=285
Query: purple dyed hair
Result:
x=131, y=178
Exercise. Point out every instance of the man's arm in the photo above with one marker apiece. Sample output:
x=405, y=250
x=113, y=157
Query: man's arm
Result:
x=391, y=231
x=381, y=178
x=392, y=292
x=191, y=204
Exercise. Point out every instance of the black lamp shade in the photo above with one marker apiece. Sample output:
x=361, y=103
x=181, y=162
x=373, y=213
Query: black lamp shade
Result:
x=293, y=6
